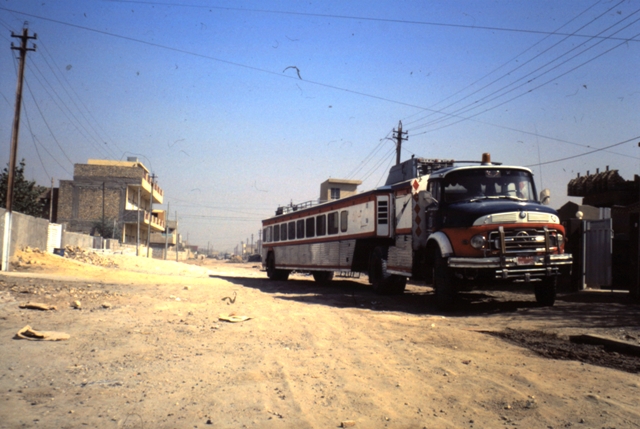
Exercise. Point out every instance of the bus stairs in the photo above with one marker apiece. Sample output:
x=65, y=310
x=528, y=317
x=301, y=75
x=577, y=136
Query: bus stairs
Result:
x=347, y=275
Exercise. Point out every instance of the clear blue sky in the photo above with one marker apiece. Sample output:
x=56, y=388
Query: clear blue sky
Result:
x=205, y=93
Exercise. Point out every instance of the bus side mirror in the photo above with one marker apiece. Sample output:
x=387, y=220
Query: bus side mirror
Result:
x=545, y=197
x=427, y=199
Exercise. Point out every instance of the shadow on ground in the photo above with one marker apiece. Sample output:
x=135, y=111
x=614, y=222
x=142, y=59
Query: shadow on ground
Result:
x=580, y=309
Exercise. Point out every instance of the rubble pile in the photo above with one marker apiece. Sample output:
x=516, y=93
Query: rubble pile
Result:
x=78, y=254
x=24, y=260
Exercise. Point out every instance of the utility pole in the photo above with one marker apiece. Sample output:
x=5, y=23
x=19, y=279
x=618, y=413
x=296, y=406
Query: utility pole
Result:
x=176, y=232
x=104, y=225
x=138, y=225
x=6, y=243
x=51, y=202
x=399, y=138
x=166, y=234
x=153, y=177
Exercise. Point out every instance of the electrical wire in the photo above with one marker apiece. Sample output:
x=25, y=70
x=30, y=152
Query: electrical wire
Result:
x=535, y=88
x=358, y=18
x=511, y=71
x=57, y=100
x=46, y=123
x=69, y=86
x=477, y=103
x=368, y=158
x=584, y=154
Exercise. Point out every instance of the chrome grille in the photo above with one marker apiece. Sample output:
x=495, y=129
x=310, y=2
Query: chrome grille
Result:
x=522, y=240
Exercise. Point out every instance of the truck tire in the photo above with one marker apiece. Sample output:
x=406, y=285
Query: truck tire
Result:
x=443, y=283
x=272, y=272
x=323, y=276
x=383, y=282
x=545, y=291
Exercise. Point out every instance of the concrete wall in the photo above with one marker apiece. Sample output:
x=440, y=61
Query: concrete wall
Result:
x=171, y=254
x=77, y=240
x=33, y=232
x=25, y=231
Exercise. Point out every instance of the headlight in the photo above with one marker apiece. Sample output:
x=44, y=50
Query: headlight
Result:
x=478, y=241
x=560, y=240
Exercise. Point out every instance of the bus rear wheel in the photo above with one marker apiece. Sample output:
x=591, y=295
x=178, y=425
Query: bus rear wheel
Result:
x=384, y=283
x=272, y=272
x=323, y=276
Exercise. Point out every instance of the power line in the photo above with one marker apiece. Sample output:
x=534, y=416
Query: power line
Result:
x=24, y=109
x=47, y=124
x=511, y=71
x=475, y=105
x=535, y=88
x=73, y=119
x=361, y=18
x=78, y=98
x=584, y=154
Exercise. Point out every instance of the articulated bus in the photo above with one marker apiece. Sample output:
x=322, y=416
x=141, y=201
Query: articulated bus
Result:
x=451, y=226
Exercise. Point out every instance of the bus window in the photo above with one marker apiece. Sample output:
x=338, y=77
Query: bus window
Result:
x=333, y=223
x=276, y=233
x=300, y=228
x=344, y=218
x=321, y=225
x=292, y=231
x=266, y=235
x=283, y=231
x=311, y=227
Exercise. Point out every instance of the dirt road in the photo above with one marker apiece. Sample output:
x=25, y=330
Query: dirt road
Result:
x=147, y=350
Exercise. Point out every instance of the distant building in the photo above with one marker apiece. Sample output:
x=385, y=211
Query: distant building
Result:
x=169, y=237
x=114, y=196
x=334, y=189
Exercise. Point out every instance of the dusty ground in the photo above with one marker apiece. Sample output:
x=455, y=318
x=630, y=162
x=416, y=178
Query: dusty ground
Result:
x=147, y=350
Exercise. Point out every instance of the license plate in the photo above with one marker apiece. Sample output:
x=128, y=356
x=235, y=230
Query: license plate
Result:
x=525, y=260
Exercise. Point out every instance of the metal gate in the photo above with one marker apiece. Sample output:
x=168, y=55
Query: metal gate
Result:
x=598, y=246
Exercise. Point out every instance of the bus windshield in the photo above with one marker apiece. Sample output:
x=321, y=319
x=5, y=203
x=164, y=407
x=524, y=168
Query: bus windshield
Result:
x=488, y=183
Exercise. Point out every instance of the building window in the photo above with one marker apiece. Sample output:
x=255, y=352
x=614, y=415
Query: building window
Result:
x=335, y=193
x=333, y=223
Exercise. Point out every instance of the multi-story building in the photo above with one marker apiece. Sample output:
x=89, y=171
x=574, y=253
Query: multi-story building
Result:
x=334, y=189
x=115, y=196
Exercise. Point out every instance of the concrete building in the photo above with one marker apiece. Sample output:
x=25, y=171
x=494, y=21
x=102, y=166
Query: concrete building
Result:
x=113, y=196
x=169, y=237
x=334, y=189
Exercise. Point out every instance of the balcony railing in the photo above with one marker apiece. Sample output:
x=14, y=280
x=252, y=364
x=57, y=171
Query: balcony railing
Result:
x=156, y=188
x=155, y=220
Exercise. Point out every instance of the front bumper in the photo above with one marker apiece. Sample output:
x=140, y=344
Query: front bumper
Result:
x=514, y=267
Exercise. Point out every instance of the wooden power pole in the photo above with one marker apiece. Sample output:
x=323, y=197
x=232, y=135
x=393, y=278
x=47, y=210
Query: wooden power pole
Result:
x=23, y=49
x=399, y=137
x=153, y=178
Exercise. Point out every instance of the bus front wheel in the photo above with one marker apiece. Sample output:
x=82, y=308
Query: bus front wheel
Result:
x=272, y=272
